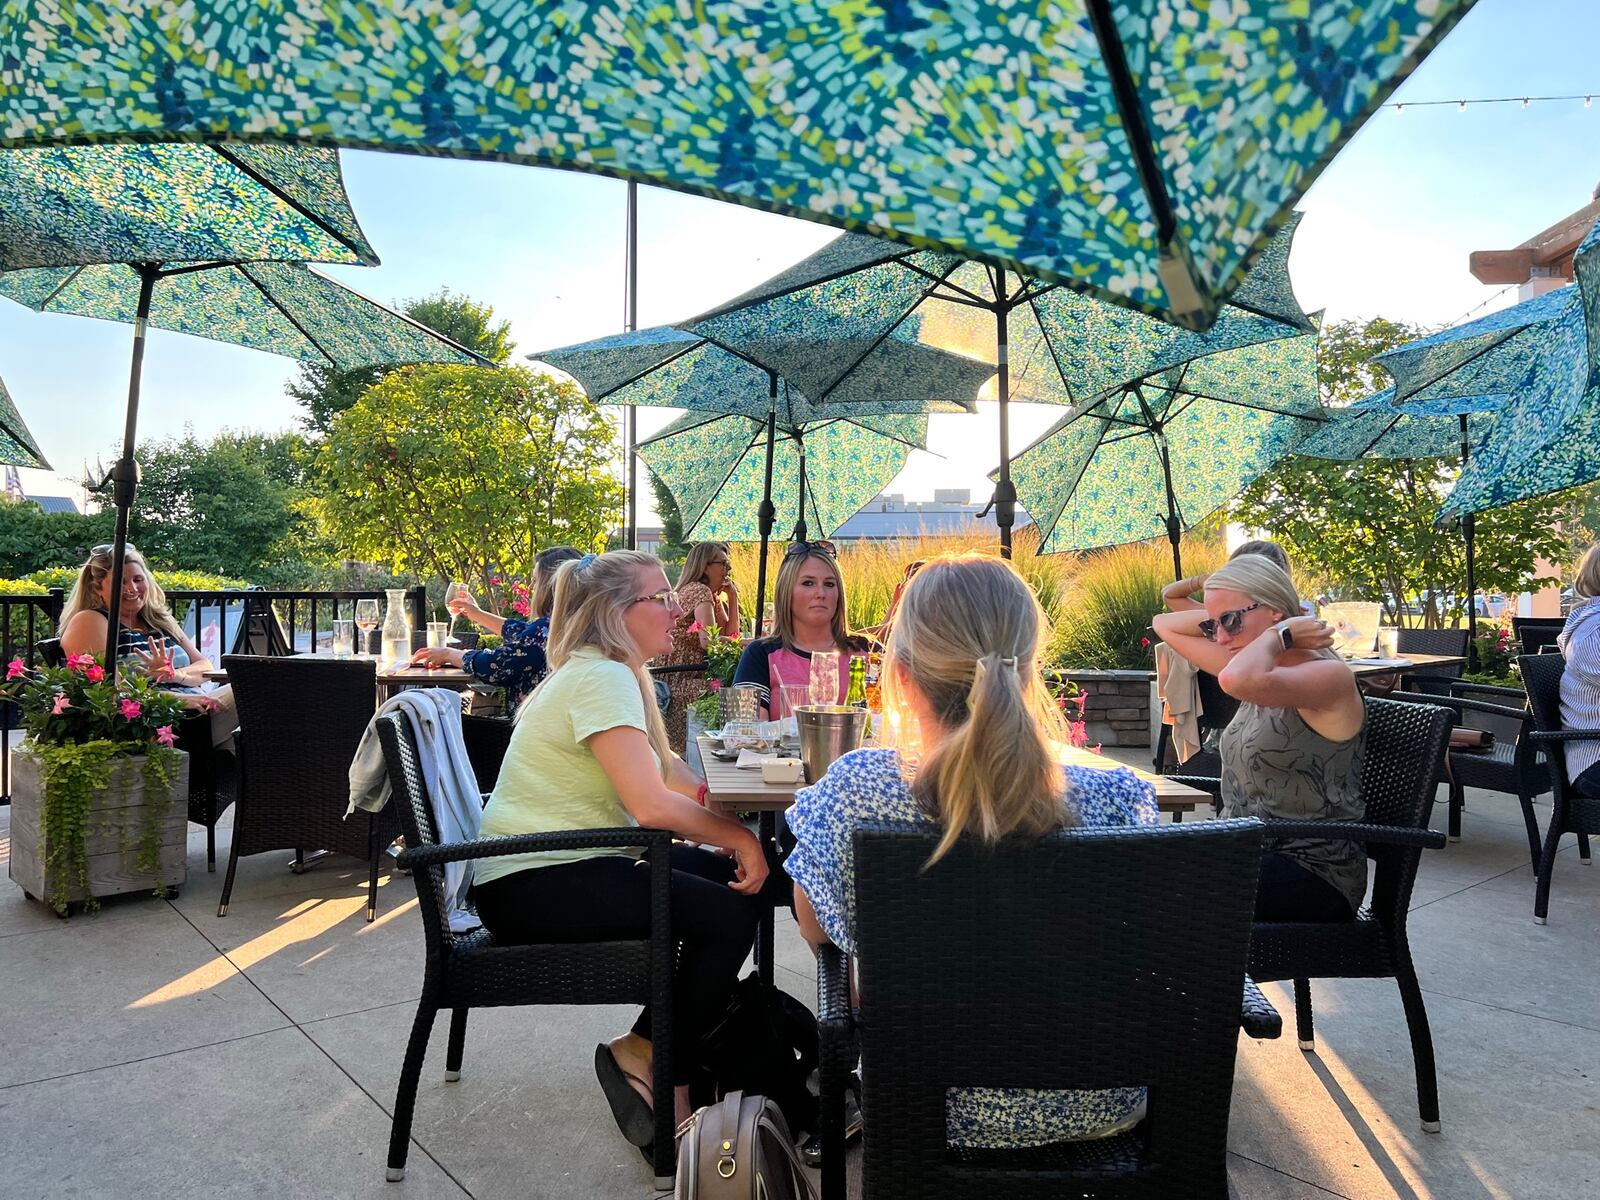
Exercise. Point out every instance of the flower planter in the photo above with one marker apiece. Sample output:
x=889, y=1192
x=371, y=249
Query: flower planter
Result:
x=133, y=842
x=1116, y=704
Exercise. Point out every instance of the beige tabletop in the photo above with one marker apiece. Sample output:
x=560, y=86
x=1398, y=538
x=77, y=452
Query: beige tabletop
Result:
x=445, y=677
x=1414, y=662
x=743, y=790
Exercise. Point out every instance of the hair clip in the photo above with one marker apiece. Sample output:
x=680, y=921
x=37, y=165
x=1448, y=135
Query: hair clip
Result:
x=1010, y=660
x=586, y=560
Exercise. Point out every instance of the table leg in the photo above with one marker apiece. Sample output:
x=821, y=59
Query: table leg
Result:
x=768, y=829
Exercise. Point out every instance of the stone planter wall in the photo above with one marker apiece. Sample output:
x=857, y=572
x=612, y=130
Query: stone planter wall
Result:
x=115, y=826
x=1118, y=705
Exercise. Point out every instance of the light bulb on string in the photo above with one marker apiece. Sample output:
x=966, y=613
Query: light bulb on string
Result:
x=1524, y=102
x=1462, y=106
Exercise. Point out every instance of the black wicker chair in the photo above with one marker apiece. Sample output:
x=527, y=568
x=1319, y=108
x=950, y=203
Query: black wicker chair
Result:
x=1405, y=746
x=1536, y=634
x=300, y=722
x=1569, y=812
x=1217, y=709
x=1514, y=764
x=486, y=740
x=470, y=970
x=1433, y=681
x=1010, y=968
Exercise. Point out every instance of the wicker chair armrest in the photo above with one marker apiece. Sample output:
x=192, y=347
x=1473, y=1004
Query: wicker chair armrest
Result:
x=1205, y=783
x=529, y=843
x=833, y=988
x=1357, y=831
x=1462, y=705
x=677, y=669
x=1258, y=1018
x=1466, y=685
x=1567, y=735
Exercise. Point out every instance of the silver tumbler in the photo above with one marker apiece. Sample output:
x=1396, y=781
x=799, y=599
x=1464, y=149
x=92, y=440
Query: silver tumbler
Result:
x=827, y=732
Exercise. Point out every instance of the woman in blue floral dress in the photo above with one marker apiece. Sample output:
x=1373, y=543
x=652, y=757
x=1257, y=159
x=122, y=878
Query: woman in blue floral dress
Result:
x=978, y=756
x=518, y=663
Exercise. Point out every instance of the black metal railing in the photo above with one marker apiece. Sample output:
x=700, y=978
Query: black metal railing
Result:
x=252, y=621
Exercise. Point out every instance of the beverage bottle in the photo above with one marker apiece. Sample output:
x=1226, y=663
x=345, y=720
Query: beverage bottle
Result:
x=856, y=697
x=396, y=629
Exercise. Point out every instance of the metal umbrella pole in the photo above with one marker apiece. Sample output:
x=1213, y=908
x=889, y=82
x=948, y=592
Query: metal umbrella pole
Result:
x=125, y=475
x=631, y=323
x=767, y=514
x=1468, y=534
x=1174, y=521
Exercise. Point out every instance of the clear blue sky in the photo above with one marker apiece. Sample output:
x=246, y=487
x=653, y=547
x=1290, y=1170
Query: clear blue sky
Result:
x=1387, y=231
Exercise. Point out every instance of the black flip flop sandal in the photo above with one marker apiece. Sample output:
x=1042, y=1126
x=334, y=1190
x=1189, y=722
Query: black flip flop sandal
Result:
x=632, y=1112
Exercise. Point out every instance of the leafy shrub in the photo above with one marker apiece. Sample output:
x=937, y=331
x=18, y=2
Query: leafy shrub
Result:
x=1102, y=619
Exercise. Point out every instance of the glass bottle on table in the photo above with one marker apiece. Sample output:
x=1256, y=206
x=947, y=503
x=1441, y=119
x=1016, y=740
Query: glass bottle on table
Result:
x=396, y=630
x=856, y=697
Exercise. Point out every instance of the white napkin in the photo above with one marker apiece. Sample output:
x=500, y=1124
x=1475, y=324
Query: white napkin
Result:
x=752, y=759
x=1380, y=662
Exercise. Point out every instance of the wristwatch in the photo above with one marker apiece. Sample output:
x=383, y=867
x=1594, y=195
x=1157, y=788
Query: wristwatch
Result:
x=1286, y=637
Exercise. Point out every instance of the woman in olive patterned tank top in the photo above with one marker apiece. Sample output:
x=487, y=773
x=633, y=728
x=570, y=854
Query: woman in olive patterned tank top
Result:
x=1293, y=751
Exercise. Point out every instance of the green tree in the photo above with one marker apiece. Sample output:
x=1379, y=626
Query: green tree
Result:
x=1367, y=527
x=236, y=504
x=673, y=547
x=33, y=540
x=464, y=473
x=324, y=392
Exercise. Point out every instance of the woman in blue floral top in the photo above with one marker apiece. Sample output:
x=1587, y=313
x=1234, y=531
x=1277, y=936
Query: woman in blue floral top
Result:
x=979, y=738
x=518, y=663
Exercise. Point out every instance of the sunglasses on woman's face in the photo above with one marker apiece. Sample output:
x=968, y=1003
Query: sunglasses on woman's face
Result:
x=798, y=548
x=1231, y=621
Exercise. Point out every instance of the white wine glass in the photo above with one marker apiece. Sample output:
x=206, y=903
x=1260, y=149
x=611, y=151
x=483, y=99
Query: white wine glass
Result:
x=456, y=591
x=366, y=621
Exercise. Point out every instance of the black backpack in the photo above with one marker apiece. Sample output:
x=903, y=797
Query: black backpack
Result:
x=766, y=1044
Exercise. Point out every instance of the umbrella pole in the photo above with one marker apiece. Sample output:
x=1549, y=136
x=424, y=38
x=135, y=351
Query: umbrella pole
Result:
x=125, y=475
x=631, y=323
x=1174, y=522
x=1005, y=492
x=1469, y=531
x=767, y=513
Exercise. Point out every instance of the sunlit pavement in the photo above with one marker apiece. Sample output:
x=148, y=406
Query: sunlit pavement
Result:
x=153, y=1049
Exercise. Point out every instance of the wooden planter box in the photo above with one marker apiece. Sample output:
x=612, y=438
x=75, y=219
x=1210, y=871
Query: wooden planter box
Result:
x=115, y=826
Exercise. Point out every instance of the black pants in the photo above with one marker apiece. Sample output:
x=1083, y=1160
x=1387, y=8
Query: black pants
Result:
x=1289, y=892
x=1588, y=782
x=607, y=898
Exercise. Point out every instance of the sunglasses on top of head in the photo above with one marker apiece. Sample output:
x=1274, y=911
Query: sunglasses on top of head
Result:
x=1231, y=621
x=798, y=548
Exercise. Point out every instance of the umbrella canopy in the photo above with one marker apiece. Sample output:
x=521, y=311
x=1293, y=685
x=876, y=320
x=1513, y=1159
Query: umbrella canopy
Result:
x=79, y=205
x=1544, y=355
x=1159, y=455
x=1139, y=151
x=17, y=447
x=826, y=471
x=1053, y=345
x=673, y=368
x=125, y=194
x=1373, y=427
x=282, y=308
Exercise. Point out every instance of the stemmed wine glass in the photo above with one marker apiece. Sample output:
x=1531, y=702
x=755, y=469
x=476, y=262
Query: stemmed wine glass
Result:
x=456, y=591
x=366, y=621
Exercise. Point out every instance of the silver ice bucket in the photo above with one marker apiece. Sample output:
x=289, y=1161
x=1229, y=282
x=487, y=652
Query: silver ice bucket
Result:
x=828, y=732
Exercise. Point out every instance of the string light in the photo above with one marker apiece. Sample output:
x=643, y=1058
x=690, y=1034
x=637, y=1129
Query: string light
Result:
x=1461, y=104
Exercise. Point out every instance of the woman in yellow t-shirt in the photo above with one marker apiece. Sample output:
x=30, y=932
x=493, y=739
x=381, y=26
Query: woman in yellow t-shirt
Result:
x=590, y=751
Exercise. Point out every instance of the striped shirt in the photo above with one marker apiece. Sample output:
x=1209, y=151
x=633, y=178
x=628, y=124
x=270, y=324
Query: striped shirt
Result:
x=1580, y=682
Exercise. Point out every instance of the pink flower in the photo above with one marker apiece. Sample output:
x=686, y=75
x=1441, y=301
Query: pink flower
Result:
x=80, y=662
x=61, y=705
x=1144, y=643
x=165, y=736
x=15, y=668
x=95, y=673
x=715, y=685
x=697, y=627
x=129, y=709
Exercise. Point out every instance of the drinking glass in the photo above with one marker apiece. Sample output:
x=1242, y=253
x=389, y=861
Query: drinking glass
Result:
x=438, y=633
x=455, y=591
x=825, y=676
x=344, y=639
x=366, y=621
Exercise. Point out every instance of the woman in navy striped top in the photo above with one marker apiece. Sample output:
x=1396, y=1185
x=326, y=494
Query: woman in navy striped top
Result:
x=1580, y=682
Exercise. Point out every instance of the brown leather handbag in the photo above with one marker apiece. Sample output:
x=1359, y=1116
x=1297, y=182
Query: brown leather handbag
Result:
x=740, y=1149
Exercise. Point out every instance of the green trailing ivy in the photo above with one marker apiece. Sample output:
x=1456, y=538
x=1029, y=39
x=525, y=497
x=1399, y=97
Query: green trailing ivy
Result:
x=160, y=768
x=70, y=778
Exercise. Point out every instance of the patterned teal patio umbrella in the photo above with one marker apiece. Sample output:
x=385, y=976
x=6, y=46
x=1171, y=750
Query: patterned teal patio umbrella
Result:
x=718, y=469
x=1053, y=345
x=1141, y=152
x=17, y=447
x=1157, y=456
x=1437, y=427
x=202, y=241
x=668, y=367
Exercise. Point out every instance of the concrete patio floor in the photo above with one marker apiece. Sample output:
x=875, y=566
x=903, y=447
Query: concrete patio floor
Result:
x=155, y=1050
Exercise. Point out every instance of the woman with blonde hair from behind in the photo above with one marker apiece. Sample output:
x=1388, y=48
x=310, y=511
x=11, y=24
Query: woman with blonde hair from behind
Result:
x=589, y=751
x=977, y=755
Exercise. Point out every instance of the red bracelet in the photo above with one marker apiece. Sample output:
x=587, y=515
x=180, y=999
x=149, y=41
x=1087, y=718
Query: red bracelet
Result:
x=701, y=793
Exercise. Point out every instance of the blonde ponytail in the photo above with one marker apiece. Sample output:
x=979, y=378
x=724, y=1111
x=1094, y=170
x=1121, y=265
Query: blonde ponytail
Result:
x=967, y=637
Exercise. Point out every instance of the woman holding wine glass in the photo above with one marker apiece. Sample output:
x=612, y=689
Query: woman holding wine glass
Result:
x=518, y=664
